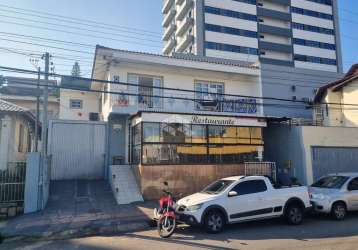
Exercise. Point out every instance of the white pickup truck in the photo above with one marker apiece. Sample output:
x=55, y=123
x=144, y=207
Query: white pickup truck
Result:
x=239, y=198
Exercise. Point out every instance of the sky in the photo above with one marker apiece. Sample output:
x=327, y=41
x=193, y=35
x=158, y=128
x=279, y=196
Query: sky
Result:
x=134, y=25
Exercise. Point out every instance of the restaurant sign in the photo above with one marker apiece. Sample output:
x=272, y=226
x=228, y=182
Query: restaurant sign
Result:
x=199, y=119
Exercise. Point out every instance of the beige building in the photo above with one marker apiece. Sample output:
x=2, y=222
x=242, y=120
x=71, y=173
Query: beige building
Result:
x=79, y=105
x=334, y=99
x=17, y=125
x=22, y=92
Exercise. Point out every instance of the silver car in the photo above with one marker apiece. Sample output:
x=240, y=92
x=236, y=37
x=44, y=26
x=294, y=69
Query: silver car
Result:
x=335, y=194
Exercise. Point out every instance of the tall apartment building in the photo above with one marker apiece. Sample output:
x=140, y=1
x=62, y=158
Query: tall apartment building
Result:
x=297, y=42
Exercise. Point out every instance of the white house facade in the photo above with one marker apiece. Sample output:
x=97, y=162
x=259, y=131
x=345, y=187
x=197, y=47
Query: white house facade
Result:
x=173, y=114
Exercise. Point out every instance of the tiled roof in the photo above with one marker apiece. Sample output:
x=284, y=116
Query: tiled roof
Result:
x=337, y=85
x=190, y=57
x=11, y=107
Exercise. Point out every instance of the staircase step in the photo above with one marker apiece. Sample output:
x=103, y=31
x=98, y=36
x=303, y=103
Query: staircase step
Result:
x=124, y=184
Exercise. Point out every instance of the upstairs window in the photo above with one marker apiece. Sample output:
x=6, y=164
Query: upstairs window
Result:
x=76, y=104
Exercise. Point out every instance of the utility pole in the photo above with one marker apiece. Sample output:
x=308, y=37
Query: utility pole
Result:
x=37, y=109
x=35, y=63
x=45, y=104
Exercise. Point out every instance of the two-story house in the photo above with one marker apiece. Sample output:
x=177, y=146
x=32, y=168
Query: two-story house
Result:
x=184, y=119
x=330, y=143
x=336, y=97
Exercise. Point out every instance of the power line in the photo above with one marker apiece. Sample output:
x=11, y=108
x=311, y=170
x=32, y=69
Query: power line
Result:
x=47, y=46
x=80, y=28
x=166, y=88
x=48, y=39
x=86, y=21
x=80, y=34
x=277, y=105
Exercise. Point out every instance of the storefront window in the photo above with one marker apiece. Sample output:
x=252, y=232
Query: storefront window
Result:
x=175, y=143
x=151, y=132
x=198, y=134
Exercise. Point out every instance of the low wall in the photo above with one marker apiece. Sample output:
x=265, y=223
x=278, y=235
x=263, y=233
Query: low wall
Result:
x=182, y=179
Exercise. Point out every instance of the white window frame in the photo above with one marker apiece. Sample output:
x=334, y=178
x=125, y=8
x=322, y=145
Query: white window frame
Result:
x=76, y=106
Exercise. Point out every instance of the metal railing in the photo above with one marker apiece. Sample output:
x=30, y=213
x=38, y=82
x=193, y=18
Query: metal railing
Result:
x=230, y=106
x=12, y=182
x=261, y=168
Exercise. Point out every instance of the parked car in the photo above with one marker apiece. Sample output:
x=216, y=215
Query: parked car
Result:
x=237, y=199
x=335, y=194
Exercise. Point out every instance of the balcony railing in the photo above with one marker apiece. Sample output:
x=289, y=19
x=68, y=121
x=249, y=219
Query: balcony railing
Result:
x=183, y=103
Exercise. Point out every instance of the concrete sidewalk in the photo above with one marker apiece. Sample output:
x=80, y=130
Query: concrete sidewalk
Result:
x=78, y=209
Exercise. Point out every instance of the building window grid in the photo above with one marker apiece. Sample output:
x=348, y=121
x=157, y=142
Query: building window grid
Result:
x=311, y=28
x=325, y=2
x=231, y=48
x=311, y=13
x=230, y=13
x=315, y=44
x=230, y=30
x=314, y=59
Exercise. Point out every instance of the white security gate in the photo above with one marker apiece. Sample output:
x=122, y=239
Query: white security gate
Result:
x=77, y=149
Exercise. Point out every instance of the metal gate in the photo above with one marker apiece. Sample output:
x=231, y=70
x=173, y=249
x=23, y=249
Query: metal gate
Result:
x=77, y=149
x=328, y=160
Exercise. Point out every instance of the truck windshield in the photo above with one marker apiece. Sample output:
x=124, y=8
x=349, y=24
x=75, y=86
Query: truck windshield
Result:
x=217, y=186
x=334, y=182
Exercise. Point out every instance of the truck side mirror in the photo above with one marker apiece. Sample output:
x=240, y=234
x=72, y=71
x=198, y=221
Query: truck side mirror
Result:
x=232, y=194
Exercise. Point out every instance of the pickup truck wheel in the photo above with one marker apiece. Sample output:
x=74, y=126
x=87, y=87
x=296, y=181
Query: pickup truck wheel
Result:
x=339, y=211
x=214, y=222
x=294, y=214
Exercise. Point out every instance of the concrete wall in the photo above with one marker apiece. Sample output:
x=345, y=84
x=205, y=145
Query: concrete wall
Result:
x=294, y=143
x=90, y=104
x=277, y=81
x=182, y=179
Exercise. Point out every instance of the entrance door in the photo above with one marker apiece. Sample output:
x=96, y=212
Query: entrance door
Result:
x=77, y=150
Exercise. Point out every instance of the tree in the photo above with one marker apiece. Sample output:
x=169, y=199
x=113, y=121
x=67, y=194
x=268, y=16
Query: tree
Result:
x=76, y=71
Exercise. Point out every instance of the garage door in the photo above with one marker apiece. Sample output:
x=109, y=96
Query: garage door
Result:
x=77, y=150
x=327, y=160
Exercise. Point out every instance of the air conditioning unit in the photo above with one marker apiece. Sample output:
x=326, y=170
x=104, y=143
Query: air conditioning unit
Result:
x=94, y=117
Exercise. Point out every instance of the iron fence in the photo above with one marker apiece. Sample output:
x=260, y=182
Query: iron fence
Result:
x=261, y=168
x=12, y=182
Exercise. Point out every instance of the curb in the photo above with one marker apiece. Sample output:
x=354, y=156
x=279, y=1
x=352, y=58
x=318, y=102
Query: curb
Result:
x=92, y=230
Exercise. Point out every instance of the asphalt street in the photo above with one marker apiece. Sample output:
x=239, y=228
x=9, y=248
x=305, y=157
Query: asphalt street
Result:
x=316, y=233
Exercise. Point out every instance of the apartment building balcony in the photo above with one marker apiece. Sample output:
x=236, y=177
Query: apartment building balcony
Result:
x=184, y=43
x=169, y=18
x=284, y=16
x=263, y=28
x=185, y=6
x=168, y=4
x=169, y=32
x=283, y=48
x=184, y=103
x=184, y=26
x=169, y=46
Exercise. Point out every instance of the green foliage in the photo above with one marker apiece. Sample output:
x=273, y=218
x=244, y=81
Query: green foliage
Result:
x=76, y=70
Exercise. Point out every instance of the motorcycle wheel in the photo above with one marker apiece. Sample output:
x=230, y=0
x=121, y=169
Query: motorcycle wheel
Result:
x=166, y=226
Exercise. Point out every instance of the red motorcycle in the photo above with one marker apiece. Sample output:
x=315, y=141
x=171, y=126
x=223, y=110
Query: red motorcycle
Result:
x=165, y=214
